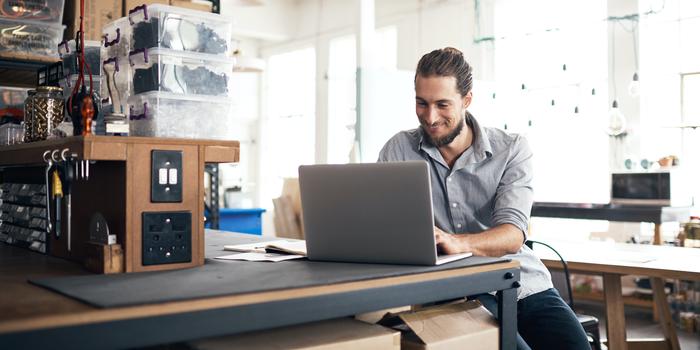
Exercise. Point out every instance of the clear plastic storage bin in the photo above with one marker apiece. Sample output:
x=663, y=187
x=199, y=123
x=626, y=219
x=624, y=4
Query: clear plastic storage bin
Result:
x=179, y=29
x=180, y=72
x=162, y=114
x=116, y=82
x=47, y=11
x=115, y=38
x=29, y=37
x=11, y=134
x=12, y=101
x=69, y=55
x=68, y=83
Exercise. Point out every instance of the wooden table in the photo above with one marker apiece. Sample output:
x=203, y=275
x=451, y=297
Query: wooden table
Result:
x=33, y=317
x=612, y=261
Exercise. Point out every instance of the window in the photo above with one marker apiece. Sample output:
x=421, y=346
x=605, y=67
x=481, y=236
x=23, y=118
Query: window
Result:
x=288, y=136
x=342, y=93
x=341, y=98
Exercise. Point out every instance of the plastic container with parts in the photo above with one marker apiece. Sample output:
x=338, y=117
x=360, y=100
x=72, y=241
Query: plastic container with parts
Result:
x=69, y=55
x=47, y=11
x=25, y=37
x=116, y=82
x=180, y=72
x=163, y=114
x=179, y=29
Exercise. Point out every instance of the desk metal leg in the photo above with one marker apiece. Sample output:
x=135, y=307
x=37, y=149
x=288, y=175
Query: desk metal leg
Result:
x=657, y=285
x=614, y=312
x=508, y=317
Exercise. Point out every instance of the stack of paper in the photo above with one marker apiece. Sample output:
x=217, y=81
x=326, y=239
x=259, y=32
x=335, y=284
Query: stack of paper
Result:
x=274, y=251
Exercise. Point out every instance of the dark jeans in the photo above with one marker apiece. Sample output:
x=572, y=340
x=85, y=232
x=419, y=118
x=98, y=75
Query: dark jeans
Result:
x=545, y=321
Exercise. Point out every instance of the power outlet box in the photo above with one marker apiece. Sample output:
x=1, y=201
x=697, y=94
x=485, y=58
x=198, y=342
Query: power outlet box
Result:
x=166, y=176
x=166, y=237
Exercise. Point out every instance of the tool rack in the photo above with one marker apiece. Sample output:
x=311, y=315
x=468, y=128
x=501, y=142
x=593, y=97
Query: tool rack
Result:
x=138, y=184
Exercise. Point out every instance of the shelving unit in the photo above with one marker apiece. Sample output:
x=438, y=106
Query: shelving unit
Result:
x=20, y=70
x=119, y=187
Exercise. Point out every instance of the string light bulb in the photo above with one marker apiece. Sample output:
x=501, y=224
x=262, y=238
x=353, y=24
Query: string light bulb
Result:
x=633, y=88
x=617, y=123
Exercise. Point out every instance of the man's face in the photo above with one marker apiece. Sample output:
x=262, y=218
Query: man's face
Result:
x=440, y=108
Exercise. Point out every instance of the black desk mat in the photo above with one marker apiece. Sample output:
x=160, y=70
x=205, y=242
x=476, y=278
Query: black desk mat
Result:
x=222, y=277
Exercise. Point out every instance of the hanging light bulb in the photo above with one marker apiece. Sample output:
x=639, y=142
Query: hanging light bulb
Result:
x=616, y=121
x=633, y=88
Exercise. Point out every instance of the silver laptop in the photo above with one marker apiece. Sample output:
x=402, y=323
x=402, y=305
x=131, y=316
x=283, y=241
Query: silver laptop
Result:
x=370, y=213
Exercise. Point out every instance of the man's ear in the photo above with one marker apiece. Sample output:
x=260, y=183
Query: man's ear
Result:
x=467, y=100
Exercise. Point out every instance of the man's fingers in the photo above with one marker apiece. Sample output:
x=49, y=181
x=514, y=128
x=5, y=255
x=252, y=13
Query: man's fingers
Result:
x=438, y=237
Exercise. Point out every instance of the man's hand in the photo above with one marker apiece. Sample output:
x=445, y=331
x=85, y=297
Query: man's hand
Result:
x=496, y=241
x=449, y=243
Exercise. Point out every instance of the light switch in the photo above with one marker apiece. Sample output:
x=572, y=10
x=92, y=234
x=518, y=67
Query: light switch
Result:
x=172, y=176
x=163, y=176
x=166, y=169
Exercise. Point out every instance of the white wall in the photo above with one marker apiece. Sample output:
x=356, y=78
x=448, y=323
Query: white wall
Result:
x=266, y=22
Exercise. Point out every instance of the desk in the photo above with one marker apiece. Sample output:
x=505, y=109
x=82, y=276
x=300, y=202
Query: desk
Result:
x=653, y=214
x=32, y=317
x=612, y=261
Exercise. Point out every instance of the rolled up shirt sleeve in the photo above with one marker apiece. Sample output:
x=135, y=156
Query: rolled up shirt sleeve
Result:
x=514, y=194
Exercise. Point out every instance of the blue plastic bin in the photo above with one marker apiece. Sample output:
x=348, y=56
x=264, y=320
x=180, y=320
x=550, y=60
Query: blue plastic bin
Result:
x=241, y=220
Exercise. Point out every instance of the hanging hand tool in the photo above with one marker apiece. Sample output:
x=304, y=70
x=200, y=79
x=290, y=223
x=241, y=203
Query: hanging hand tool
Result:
x=57, y=194
x=67, y=178
x=49, y=165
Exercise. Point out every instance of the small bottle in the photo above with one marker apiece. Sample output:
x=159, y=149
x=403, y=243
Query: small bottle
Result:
x=87, y=112
x=48, y=112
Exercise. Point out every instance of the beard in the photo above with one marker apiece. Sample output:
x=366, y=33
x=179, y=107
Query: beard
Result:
x=447, y=139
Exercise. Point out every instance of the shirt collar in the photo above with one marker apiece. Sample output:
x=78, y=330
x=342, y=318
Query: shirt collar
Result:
x=479, y=151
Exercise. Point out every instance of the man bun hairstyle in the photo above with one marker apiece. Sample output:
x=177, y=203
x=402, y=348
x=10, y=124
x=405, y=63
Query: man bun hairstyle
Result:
x=447, y=62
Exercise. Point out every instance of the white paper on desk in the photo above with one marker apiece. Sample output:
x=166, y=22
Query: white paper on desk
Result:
x=257, y=247
x=296, y=247
x=254, y=256
x=287, y=247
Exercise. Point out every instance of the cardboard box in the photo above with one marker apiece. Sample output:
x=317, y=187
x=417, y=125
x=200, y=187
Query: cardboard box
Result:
x=376, y=316
x=290, y=187
x=199, y=5
x=465, y=325
x=339, y=334
x=97, y=14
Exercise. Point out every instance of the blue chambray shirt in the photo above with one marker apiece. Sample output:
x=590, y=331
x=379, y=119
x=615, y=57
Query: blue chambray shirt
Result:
x=489, y=185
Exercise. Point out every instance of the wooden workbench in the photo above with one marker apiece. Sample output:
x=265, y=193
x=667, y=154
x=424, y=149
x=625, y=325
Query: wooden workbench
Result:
x=33, y=317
